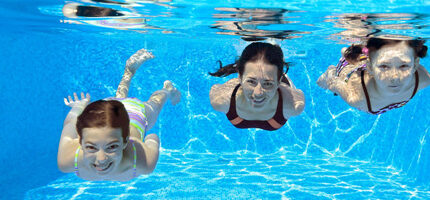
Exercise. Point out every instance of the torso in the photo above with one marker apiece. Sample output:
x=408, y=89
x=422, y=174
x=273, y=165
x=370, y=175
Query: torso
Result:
x=243, y=117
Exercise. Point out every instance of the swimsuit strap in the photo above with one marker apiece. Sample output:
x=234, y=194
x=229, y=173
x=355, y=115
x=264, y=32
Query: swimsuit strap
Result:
x=369, y=106
x=417, y=82
x=76, y=161
x=231, y=114
x=134, y=158
x=279, y=114
x=391, y=106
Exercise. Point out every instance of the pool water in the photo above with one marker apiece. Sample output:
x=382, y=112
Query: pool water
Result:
x=330, y=151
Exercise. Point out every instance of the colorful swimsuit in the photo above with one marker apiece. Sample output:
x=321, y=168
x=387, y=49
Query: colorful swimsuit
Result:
x=276, y=122
x=134, y=160
x=136, y=112
x=391, y=106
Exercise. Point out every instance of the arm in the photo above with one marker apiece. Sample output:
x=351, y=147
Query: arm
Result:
x=220, y=95
x=424, y=77
x=293, y=99
x=147, y=153
x=349, y=91
x=69, y=140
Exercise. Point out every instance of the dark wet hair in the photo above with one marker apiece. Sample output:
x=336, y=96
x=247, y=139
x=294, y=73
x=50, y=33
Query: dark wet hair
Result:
x=272, y=54
x=353, y=52
x=104, y=113
x=93, y=11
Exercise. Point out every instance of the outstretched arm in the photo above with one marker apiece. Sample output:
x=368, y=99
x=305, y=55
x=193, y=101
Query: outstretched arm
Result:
x=147, y=153
x=69, y=140
x=132, y=65
x=220, y=95
x=349, y=91
x=293, y=99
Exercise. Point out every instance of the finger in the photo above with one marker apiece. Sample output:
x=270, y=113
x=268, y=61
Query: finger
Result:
x=70, y=99
x=65, y=101
x=82, y=95
x=76, y=96
x=88, y=96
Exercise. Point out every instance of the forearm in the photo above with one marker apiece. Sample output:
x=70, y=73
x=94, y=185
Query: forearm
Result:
x=73, y=114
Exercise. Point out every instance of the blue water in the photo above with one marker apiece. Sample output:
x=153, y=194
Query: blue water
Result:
x=330, y=151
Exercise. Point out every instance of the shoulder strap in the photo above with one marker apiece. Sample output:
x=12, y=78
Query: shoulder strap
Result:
x=231, y=114
x=417, y=82
x=369, y=106
x=279, y=114
x=76, y=160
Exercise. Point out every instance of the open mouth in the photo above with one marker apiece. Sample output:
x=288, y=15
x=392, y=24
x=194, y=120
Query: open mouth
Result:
x=258, y=101
x=102, y=168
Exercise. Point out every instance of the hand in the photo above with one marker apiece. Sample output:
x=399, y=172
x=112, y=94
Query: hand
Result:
x=81, y=103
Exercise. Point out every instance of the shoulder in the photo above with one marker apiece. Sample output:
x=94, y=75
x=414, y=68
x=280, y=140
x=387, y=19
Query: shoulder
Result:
x=293, y=100
x=66, y=154
x=220, y=95
x=424, y=77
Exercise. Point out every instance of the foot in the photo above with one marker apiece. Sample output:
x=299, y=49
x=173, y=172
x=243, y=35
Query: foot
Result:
x=174, y=94
x=137, y=59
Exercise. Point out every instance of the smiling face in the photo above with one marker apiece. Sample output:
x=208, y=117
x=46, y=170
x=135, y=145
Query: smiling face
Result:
x=259, y=82
x=393, y=66
x=103, y=149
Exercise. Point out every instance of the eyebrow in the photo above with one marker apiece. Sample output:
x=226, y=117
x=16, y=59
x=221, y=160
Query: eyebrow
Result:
x=115, y=141
x=263, y=80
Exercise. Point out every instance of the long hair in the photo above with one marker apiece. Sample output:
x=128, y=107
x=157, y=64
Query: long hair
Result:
x=272, y=54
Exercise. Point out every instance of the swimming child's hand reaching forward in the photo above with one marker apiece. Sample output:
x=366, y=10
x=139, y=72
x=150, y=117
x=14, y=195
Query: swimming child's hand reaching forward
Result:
x=81, y=103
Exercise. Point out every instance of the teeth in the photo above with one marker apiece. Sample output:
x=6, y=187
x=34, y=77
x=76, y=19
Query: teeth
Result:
x=101, y=168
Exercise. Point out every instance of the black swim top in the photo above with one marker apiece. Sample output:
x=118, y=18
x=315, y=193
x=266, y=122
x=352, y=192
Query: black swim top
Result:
x=276, y=122
x=391, y=106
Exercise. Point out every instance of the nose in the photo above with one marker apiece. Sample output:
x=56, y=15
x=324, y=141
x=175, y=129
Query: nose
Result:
x=395, y=76
x=101, y=157
x=258, y=90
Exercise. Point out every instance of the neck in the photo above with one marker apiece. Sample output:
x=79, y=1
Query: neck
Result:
x=249, y=107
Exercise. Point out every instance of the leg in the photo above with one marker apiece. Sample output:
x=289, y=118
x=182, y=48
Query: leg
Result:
x=157, y=100
x=133, y=63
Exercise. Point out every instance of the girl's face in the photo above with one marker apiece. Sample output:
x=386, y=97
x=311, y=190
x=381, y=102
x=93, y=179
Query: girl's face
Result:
x=259, y=82
x=393, y=66
x=103, y=149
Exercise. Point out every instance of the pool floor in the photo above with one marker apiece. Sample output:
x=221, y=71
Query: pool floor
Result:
x=245, y=175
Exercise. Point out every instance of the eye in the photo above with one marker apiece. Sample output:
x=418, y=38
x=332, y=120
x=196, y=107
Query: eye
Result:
x=384, y=67
x=252, y=82
x=113, y=147
x=90, y=148
x=267, y=84
x=404, y=67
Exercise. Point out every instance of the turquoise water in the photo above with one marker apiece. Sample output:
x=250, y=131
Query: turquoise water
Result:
x=330, y=151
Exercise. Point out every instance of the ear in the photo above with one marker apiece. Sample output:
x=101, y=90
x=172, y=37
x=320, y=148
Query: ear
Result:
x=126, y=142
